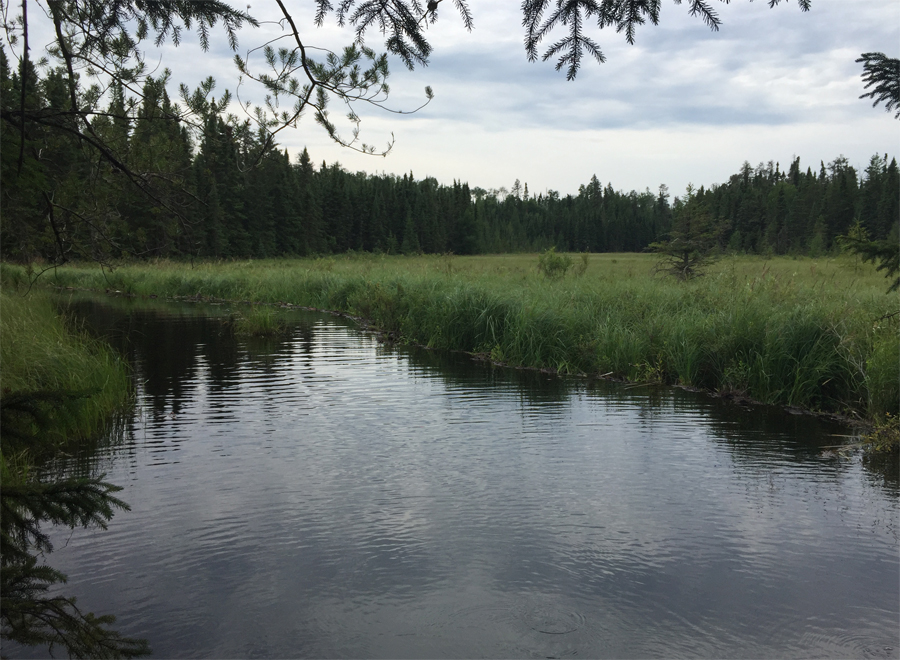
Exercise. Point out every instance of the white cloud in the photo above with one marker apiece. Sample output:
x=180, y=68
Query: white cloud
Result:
x=683, y=104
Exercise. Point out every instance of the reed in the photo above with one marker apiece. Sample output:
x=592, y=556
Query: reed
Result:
x=259, y=321
x=788, y=331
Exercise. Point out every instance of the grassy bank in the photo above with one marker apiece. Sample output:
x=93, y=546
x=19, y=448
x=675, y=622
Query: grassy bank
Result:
x=59, y=387
x=796, y=332
x=44, y=361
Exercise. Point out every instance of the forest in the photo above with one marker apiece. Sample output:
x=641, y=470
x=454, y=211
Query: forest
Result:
x=217, y=188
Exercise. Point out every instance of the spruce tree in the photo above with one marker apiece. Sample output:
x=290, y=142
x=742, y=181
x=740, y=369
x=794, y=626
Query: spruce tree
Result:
x=311, y=226
x=29, y=615
x=694, y=236
x=410, y=243
x=882, y=73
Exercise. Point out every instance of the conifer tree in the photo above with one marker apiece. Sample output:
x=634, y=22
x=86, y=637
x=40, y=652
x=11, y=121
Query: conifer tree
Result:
x=691, y=241
x=270, y=193
x=29, y=615
x=885, y=254
x=410, y=243
x=883, y=74
x=312, y=232
x=21, y=202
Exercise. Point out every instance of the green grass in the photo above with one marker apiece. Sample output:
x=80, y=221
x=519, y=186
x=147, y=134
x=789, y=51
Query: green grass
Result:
x=42, y=352
x=259, y=321
x=798, y=332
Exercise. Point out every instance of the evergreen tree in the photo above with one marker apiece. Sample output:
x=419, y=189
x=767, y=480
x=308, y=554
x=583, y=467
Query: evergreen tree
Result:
x=691, y=241
x=882, y=73
x=410, y=243
x=23, y=235
x=161, y=149
x=885, y=254
x=28, y=614
x=312, y=235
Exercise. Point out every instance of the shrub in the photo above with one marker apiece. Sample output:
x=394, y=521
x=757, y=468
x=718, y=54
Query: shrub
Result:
x=552, y=264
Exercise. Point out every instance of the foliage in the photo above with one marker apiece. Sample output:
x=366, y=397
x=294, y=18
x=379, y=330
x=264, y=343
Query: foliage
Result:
x=540, y=18
x=96, y=127
x=886, y=254
x=552, y=264
x=582, y=265
x=27, y=614
x=694, y=236
x=221, y=189
x=885, y=436
x=883, y=73
x=132, y=157
x=211, y=203
x=96, y=156
x=104, y=43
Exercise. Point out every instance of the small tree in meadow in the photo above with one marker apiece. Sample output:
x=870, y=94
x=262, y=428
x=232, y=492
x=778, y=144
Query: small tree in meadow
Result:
x=552, y=264
x=690, y=246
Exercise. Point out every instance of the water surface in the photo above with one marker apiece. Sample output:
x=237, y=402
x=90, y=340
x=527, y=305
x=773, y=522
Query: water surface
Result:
x=323, y=495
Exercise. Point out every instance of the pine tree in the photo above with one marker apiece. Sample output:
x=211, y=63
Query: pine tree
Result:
x=694, y=236
x=160, y=148
x=28, y=614
x=22, y=205
x=312, y=238
x=882, y=73
x=885, y=254
x=410, y=243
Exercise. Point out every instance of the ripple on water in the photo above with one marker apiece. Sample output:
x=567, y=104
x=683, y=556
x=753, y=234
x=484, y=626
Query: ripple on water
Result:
x=550, y=619
x=527, y=625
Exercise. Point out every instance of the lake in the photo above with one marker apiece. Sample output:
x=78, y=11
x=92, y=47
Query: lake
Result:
x=326, y=495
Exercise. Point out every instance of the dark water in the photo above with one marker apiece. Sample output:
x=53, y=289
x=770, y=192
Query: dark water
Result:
x=323, y=495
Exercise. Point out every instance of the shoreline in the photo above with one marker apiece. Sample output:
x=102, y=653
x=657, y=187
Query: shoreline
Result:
x=368, y=326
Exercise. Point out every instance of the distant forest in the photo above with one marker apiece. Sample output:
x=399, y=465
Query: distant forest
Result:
x=214, y=190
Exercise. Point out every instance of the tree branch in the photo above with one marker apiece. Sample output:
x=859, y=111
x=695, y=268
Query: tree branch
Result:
x=24, y=78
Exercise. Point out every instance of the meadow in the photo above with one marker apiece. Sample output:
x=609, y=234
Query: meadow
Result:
x=816, y=334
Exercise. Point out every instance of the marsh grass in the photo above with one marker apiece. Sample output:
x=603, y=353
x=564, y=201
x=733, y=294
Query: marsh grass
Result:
x=259, y=321
x=798, y=332
x=84, y=383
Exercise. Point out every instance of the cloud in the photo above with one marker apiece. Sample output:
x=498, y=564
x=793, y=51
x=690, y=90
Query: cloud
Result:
x=682, y=104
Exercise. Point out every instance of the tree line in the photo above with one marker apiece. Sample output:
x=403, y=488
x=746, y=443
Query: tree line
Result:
x=218, y=188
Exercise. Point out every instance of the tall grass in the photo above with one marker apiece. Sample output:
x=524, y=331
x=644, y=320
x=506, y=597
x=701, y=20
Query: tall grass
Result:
x=796, y=332
x=258, y=321
x=42, y=352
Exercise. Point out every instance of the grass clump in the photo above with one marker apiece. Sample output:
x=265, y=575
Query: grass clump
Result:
x=55, y=376
x=259, y=321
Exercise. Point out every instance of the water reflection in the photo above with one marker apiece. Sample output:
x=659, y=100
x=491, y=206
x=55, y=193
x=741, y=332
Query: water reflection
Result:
x=323, y=495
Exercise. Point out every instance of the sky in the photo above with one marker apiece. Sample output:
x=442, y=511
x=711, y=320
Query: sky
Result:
x=682, y=105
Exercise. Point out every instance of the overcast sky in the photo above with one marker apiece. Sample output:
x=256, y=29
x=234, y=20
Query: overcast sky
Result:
x=683, y=104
